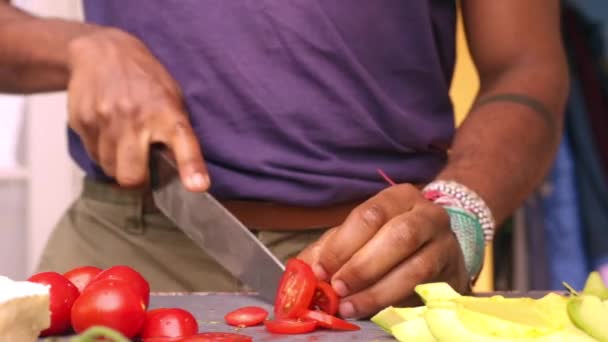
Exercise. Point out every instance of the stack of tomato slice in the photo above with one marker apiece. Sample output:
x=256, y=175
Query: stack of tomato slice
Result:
x=304, y=303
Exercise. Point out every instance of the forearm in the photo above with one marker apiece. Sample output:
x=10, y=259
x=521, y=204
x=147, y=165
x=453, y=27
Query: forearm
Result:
x=34, y=54
x=504, y=149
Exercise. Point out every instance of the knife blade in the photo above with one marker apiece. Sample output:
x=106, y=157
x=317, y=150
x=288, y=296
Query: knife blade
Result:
x=213, y=228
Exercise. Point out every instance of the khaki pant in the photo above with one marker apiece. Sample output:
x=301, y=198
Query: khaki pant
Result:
x=108, y=226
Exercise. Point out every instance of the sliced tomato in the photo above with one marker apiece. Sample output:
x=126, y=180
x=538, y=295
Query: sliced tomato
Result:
x=325, y=298
x=290, y=326
x=246, y=316
x=217, y=337
x=296, y=289
x=328, y=321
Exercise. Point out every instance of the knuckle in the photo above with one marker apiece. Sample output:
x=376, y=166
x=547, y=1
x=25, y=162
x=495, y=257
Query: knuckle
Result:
x=126, y=106
x=372, y=216
x=425, y=270
x=402, y=235
x=104, y=108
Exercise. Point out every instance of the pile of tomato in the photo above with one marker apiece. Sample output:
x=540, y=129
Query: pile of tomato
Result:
x=118, y=298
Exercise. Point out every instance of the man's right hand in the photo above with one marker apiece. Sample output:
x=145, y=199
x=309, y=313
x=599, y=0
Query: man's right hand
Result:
x=121, y=100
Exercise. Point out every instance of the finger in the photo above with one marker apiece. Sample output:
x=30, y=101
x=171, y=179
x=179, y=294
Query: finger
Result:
x=397, y=286
x=132, y=158
x=363, y=223
x=107, y=153
x=81, y=118
x=398, y=239
x=183, y=143
x=311, y=254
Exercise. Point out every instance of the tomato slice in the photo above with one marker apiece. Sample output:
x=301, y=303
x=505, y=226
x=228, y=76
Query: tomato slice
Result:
x=328, y=321
x=217, y=337
x=290, y=326
x=296, y=289
x=325, y=298
x=246, y=316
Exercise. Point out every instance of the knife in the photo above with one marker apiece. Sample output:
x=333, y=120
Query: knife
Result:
x=213, y=228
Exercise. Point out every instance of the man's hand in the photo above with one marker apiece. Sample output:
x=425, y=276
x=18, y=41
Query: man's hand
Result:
x=121, y=100
x=388, y=245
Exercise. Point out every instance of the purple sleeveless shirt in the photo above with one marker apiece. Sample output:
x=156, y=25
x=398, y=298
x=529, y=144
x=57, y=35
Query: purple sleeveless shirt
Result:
x=301, y=101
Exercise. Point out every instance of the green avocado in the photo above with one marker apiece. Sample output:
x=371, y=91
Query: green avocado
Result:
x=590, y=314
x=595, y=286
x=446, y=325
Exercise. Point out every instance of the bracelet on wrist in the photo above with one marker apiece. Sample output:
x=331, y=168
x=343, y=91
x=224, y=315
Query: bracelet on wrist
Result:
x=457, y=195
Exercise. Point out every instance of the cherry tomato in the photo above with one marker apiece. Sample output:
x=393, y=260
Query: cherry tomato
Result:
x=246, y=316
x=290, y=326
x=82, y=276
x=131, y=276
x=328, y=321
x=110, y=303
x=62, y=295
x=296, y=289
x=169, y=322
x=325, y=298
x=217, y=337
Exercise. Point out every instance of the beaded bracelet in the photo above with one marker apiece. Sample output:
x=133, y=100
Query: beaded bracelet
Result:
x=470, y=237
x=458, y=195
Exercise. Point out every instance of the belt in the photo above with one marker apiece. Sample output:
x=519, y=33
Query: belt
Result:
x=275, y=216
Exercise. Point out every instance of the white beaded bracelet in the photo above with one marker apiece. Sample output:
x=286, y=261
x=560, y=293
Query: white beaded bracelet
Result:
x=469, y=200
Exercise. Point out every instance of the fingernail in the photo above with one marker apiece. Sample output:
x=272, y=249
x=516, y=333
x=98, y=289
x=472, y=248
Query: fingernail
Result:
x=347, y=310
x=319, y=272
x=340, y=288
x=197, y=180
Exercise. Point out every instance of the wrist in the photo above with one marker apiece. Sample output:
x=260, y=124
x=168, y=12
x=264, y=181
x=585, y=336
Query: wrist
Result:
x=470, y=219
x=87, y=45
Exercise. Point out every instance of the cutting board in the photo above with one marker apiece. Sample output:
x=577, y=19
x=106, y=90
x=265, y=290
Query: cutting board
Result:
x=210, y=308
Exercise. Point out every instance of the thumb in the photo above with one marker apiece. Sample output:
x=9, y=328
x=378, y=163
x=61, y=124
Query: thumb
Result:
x=189, y=158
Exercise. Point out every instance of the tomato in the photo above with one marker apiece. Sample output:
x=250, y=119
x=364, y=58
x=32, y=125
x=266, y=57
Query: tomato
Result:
x=110, y=303
x=328, y=321
x=131, y=276
x=217, y=337
x=290, y=326
x=62, y=294
x=246, y=316
x=82, y=276
x=325, y=298
x=171, y=322
x=296, y=289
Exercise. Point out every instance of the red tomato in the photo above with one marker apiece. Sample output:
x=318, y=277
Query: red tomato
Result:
x=111, y=303
x=246, y=316
x=62, y=295
x=296, y=289
x=131, y=276
x=325, y=298
x=82, y=276
x=290, y=326
x=327, y=321
x=172, y=322
x=217, y=337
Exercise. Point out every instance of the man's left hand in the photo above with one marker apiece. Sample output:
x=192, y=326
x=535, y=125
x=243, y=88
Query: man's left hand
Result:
x=385, y=247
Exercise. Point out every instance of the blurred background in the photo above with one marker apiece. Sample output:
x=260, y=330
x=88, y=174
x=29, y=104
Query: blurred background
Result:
x=559, y=234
